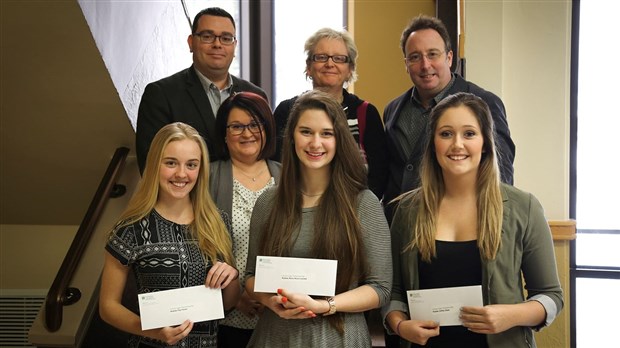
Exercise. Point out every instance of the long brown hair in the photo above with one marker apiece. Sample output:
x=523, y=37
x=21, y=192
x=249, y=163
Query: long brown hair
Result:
x=208, y=227
x=428, y=197
x=337, y=230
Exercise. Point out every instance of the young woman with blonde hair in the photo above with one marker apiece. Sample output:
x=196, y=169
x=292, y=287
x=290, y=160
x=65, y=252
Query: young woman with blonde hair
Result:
x=171, y=236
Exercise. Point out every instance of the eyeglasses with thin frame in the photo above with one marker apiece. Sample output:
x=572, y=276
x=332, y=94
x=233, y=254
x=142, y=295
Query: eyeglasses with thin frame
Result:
x=238, y=128
x=416, y=57
x=338, y=58
x=209, y=37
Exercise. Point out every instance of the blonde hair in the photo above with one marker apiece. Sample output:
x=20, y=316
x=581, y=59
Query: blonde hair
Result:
x=213, y=237
x=429, y=195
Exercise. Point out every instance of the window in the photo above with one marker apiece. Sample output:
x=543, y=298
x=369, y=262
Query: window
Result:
x=595, y=260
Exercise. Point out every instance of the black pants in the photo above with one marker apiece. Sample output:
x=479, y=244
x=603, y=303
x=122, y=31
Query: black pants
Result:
x=232, y=337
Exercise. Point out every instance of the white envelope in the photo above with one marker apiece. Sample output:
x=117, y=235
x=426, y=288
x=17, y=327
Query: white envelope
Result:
x=443, y=305
x=316, y=277
x=173, y=307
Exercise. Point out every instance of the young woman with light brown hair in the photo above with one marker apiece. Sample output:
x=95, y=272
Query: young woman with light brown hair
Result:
x=171, y=236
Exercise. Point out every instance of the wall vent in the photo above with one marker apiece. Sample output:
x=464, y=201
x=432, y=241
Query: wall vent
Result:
x=18, y=310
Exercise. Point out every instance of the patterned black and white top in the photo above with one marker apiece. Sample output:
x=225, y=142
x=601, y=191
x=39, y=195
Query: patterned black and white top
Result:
x=243, y=204
x=164, y=255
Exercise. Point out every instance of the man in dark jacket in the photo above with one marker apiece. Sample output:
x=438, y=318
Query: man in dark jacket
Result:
x=428, y=57
x=194, y=95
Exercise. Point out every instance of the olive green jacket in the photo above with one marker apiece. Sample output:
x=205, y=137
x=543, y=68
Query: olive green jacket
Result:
x=526, y=254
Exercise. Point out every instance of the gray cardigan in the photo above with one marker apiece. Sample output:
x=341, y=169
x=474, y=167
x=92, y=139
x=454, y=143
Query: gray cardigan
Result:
x=221, y=182
x=526, y=250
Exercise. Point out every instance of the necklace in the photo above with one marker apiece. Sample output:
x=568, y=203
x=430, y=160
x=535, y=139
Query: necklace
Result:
x=309, y=195
x=254, y=177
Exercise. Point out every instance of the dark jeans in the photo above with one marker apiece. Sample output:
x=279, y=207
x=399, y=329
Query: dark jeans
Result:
x=391, y=341
x=232, y=337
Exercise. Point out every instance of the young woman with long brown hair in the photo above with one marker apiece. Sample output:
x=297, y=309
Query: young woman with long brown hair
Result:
x=321, y=209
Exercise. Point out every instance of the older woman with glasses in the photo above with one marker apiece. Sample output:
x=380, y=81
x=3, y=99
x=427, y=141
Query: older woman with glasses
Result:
x=246, y=126
x=330, y=64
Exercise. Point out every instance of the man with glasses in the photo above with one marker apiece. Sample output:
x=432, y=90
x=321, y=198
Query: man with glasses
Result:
x=428, y=57
x=194, y=95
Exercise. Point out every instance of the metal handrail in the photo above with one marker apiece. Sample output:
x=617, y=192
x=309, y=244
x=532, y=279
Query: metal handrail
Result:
x=60, y=294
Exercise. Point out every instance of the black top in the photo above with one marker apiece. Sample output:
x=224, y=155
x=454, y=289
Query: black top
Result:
x=456, y=264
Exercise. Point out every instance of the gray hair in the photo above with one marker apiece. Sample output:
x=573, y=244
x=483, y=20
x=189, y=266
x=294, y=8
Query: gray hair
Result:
x=328, y=33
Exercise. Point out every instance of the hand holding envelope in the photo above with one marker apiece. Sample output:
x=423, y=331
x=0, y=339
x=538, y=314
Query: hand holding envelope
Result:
x=496, y=318
x=443, y=305
x=174, y=307
x=316, y=277
x=288, y=309
x=418, y=331
x=431, y=308
x=294, y=280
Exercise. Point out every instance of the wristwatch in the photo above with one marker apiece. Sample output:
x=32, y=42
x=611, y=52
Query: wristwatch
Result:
x=332, y=306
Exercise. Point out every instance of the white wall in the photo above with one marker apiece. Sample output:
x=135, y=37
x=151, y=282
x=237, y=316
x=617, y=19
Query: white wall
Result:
x=520, y=50
x=139, y=42
x=143, y=41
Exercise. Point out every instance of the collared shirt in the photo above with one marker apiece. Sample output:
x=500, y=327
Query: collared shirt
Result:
x=216, y=95
x=411, y=124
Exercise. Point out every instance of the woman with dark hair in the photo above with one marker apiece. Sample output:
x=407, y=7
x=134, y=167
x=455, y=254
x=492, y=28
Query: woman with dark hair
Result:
x=321, y=209
x=245, y=126
x=463, y=227
x=171, y=235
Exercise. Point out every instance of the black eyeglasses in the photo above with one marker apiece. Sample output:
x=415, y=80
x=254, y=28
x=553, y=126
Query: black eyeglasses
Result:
x=209, y=37
x=238, y=128
x=322, y=58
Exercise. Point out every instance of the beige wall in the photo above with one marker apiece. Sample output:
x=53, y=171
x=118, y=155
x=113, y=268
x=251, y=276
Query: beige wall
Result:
x=61, y=117
x=376, y=26
x=30, y=255
x=521, y=51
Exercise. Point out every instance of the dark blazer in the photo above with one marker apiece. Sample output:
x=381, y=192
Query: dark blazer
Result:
x=180, y=98
x=403, y=172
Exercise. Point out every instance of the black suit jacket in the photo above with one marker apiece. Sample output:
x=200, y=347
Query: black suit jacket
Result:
x=180, y=98
x=403, y=172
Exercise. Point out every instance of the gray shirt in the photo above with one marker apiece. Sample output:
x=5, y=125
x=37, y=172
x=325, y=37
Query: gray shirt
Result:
x=273, y=331
x=216, y=95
